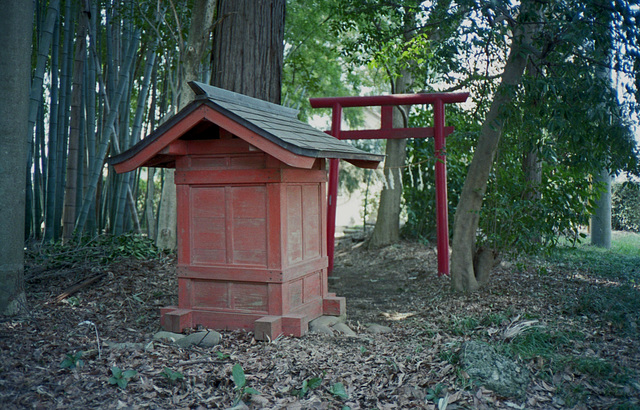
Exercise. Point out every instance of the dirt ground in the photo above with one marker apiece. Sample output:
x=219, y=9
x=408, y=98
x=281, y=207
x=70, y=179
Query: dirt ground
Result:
x=111, y=322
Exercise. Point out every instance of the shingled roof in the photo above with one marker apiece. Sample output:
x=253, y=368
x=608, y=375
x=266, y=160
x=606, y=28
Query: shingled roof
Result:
x=276, y=124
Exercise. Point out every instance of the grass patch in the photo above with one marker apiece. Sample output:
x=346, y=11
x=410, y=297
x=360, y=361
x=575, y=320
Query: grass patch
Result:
x=465, y=325
x=539, y=342
x=616, y=305
x=591, y=366
x=621, y=262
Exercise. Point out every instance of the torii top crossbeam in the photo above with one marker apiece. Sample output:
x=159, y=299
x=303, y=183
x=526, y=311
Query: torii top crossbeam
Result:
x=386, y=131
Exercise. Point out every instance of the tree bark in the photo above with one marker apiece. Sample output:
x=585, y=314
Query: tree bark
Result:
x=387, y=227
x=601, y=219
x=463, y=274
x=16, y=21
x=69, y=215
x=248, y=48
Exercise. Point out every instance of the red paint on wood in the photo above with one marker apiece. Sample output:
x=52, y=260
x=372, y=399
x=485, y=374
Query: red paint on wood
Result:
x=251, y=229
x=393, y=99
x=392, y=133
x=334, y=306
x=442, y=203
x=386, y=131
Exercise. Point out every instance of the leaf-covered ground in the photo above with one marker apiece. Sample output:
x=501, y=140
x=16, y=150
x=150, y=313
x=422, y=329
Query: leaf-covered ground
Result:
x=574, y=327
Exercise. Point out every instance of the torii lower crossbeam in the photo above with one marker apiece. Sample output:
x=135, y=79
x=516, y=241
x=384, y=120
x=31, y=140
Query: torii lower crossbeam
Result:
x=386, y=131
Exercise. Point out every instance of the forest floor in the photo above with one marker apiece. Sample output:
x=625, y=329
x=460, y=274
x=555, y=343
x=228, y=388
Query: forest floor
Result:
x=570, y=318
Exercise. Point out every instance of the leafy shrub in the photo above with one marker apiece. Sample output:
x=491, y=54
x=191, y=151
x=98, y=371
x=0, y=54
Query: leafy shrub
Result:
x=517, y=215
x=625, y=206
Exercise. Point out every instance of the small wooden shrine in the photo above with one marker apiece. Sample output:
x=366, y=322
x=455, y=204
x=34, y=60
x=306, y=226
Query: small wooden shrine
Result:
x=251, y=199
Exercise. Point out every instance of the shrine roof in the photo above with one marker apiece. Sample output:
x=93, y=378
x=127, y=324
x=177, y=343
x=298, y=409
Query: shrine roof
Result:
x=250, y=117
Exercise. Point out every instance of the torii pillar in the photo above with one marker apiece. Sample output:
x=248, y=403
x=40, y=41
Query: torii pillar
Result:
x=386, y=131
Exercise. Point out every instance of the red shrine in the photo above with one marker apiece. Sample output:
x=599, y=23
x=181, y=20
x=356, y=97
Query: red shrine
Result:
x=251, y=199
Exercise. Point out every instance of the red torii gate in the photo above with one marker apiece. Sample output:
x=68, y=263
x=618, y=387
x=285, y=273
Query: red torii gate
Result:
x=386, y=131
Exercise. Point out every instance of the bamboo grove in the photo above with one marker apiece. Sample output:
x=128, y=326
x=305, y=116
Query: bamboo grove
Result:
x=104, y=75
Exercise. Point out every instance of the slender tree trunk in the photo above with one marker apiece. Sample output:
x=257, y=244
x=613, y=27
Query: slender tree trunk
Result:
x=199, y=35
x=149, y=214
x=601, y=219
x=90, y=98
x=44, y=43
x=464, y=275
x=108, y=131
x=63, y=113
x=69, y=215
x=38, y=175
x=16, y=21
x=52, y=152
x=387, y=228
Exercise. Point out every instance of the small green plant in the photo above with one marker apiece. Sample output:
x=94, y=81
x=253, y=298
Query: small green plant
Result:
x=435, y=392
x=172, y=375
x=241, y=383
x=450, y=356
x=222, y=356
x=121, y=378
x=71, y=361
x=72, y=301
x=307, y=385
x=338, y=390
x=363, y=350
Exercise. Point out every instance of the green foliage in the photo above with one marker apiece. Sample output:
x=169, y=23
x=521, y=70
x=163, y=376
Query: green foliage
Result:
x=338, y=390
x=222, y=356
x=565, y=112
x=625, y=206
x=419, y=190
x=71, y=361
x=307, y=385
x=121, y=378
x=313, y=65
x=239, y=379
x=435, y=392
x=172, y=375
x=450, y=354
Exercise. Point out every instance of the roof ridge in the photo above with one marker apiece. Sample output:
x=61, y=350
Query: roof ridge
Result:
x=214, y=94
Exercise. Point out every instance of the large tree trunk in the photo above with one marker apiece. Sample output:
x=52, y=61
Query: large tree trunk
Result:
x=191, y=58
x=248, y=48
x=465, y=275
x=16, y=21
